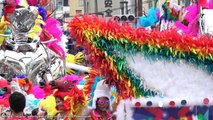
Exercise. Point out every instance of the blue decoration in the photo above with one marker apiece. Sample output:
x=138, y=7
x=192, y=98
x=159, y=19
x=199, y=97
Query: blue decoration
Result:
x=97, y=79
x=42, y=12
x=149, y=103
x=150, y=19
x=7, y=31
x=183, y=102
x=20, y=76
x=82, y=82
x=1, y=92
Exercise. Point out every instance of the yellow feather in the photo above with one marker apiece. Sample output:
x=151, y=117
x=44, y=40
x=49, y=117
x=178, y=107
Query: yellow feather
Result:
x=49, y=105
x=77, y=59
x=3, y=27
x=36, y=29
x=23, y=3
x=70, y=58
x=39, y=21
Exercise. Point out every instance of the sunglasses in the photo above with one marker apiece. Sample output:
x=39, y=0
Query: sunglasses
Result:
x=102, y=102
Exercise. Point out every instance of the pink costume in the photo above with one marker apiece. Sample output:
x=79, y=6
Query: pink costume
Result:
x=192, y=19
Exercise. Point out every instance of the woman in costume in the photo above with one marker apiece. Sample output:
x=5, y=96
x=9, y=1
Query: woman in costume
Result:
x=188, y=19
x=101, y=103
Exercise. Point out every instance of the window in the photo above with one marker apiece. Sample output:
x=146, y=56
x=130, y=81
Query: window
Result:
x=59, y=5
x=66, y=15
x=78, y=12
x=66, y=3
x=81, y=3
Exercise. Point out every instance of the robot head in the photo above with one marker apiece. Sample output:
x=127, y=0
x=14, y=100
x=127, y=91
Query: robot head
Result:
x=22, y=20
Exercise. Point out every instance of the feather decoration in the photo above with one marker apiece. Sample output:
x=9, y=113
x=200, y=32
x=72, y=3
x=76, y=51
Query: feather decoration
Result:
x=31, y=103
x=210, y=4
x=90, y=84
x=32, y=2
x=102, y=39
x=42, y=12
x=23, y=3
x=77, y=59
x=74, y=100
x=53, y=27
x=4, y=26
x=36, y=29
x=57, y=49
x=75, y=79
x=44, y=2
x=49, y=105
x=38, y=92
x=202, y=3
x=8, y=10
x=13, y=2
x=171, y=11
x=5, y=101
x=91, y=81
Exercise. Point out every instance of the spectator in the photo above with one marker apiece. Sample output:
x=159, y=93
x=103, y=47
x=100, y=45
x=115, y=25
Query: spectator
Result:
x=38, y=114
x=17, y=104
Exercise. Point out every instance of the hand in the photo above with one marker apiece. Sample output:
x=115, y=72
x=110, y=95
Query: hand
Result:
x=182, y=14
x=1, y=109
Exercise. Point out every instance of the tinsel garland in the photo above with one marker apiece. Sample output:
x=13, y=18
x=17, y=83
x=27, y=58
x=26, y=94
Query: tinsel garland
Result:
x=107, y=43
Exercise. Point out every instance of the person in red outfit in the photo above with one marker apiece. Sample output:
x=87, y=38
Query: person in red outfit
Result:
x=102, y=109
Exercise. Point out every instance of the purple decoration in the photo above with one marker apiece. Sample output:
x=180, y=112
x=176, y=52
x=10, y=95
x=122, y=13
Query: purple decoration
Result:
x=149, y=103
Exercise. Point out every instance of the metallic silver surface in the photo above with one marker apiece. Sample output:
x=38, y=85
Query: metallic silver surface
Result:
x=22, y=55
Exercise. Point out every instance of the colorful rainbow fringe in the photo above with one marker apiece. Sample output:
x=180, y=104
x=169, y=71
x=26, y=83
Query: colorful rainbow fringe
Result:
x=107, y=42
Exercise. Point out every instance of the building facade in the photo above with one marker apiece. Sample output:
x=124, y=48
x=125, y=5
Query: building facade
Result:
x=99, y=6
x=67, y=9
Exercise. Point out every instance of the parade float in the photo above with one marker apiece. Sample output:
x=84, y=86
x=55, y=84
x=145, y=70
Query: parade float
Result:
x=157, y=75
x=154, y=75
x=24, y=52
x=33, y=56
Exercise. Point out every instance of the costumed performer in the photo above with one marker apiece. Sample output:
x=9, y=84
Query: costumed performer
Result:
x=188, y=19
x=101, y=103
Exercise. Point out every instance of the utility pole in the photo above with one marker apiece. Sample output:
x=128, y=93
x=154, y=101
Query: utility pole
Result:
x=85, y=6
x=187, y=2
x=124, y=7
x=136, y=8
x=96, y=7
x=140, y=8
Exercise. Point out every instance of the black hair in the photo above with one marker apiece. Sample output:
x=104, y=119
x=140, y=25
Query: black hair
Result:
x=34, y=112
x=17, y=102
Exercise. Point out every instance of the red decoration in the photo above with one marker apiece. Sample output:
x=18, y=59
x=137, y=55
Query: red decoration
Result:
x=206, y=101
x=137, y=104
x=183, y=111
x=202, y=3
x=172, y=103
